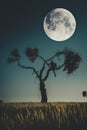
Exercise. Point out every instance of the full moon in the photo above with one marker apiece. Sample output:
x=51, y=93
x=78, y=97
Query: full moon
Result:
x=59, y=24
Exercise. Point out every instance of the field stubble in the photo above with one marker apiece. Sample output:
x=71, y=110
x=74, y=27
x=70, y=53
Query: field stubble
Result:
x=38, y=116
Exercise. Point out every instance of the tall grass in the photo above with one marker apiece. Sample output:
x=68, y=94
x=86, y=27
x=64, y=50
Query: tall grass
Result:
x=37, y=116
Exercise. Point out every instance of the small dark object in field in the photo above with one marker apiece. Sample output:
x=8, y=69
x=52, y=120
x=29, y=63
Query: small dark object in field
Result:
x=84, y=93
x=1, y=101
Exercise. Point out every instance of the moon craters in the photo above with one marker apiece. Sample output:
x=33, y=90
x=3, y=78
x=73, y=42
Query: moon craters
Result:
x=59, y=24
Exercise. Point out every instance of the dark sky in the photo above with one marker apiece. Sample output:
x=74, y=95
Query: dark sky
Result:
x=21, y=26
x=20, y=18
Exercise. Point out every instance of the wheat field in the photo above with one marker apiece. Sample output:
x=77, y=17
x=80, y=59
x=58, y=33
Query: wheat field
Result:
x=38, y=116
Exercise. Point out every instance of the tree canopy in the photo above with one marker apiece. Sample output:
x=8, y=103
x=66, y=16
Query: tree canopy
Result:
x=70, y=62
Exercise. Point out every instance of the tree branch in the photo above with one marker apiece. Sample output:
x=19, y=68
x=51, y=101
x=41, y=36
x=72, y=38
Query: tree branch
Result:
x=41, y=71
x=60, y=66
x=45, y=61
x=49, y=70
x=56, y=55
x=32, y=68
x=51, y=58
x=47, y=74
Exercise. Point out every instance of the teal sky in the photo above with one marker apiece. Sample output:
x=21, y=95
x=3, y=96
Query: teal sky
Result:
x=21, y=26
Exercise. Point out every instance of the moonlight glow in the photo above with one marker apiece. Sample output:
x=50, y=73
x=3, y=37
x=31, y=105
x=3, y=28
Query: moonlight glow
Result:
x=59, y=24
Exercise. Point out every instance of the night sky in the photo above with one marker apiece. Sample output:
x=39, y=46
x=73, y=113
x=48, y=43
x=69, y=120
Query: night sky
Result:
x=21, y=26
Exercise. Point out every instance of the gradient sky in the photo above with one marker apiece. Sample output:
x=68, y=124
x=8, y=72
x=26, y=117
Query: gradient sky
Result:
x=21, y=26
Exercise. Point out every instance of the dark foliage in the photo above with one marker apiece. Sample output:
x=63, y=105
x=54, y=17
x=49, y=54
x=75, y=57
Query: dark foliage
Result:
x=15, y=53
x=15, y=56
x=32, y=53
x=11, y=59
x=72, y=61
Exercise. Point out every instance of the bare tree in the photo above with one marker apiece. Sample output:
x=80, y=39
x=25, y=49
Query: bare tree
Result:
x=66, y=60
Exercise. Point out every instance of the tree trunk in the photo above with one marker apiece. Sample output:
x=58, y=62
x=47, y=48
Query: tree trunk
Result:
x=43, y=92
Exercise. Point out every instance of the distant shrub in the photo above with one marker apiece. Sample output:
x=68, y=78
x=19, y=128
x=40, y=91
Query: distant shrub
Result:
x=84, y=93
x=1, y=101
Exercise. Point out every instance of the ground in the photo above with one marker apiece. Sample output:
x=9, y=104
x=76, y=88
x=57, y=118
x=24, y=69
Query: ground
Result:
x=38, y=116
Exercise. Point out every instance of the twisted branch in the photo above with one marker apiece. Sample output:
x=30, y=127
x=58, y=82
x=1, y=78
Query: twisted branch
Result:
x=49, y=70
x=28, y=67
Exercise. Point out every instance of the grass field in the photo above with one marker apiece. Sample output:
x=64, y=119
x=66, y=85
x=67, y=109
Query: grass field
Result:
x=37, y=116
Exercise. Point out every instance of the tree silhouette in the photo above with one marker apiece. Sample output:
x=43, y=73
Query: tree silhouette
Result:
x=66, y=59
